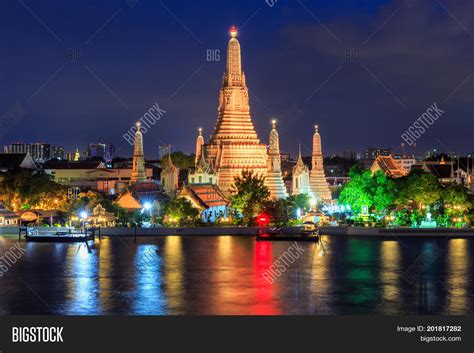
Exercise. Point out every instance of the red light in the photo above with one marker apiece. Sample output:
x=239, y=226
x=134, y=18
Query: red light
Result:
x=263, y=220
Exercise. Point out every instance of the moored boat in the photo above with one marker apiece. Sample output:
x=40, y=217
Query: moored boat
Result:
x=308, y=232
x=67, y=235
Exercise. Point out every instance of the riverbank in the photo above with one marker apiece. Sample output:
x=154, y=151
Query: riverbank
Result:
x=398, y=232
x=252, y=231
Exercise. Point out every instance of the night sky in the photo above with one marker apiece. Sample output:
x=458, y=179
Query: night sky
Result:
x=405, y=56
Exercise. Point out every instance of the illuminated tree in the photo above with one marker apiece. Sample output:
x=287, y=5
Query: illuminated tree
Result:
x=249, y=195
x=358, y=191
x=418, y=191
x=382, y=190
x=180, y=211
x=85, y=201
x=456, y=203
x=25, y=189
x=295, y=202
x=456, y=199
x=364, y=189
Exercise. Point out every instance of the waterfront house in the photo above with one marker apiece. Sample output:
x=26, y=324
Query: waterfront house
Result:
x=209, y=199
x=8, y=218
x=135, y=196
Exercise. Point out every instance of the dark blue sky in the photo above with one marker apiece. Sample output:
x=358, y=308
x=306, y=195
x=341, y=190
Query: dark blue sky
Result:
x=134, y=54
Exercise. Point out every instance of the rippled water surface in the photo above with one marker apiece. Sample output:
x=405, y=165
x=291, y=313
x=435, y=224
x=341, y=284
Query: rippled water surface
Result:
x=225, y=275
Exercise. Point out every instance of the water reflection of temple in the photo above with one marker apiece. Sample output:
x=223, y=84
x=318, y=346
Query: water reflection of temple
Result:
x=173, y=274
x=456, y=283
x=390, y=266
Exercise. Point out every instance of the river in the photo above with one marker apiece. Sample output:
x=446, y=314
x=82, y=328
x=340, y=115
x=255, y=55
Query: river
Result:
x=230, y=275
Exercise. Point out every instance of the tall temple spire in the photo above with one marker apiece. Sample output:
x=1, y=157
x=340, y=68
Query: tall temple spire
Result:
x=300, y=157
x=202, y=163
x=274, y=149
x=234, y=64
x=234, y=145
x=234, y=121
x=319, y=185
x=199, y=143
x=170, y=161
x=138, y=172
x=169, y=176
x=274, y=179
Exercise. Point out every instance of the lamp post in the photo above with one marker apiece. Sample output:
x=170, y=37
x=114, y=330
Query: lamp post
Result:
x=147, y=207
x=83, y=216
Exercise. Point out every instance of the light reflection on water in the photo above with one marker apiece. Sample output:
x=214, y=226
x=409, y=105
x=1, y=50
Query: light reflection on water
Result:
x=224, y=275
x=81, y=271
x=390, y=275
x=173, y=274
x=460, y=294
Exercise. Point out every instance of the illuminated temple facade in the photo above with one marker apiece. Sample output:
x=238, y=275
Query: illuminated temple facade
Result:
x=318, y=183
x=138, y=171
x=274, y=179
x=234, y=145
x=301, y=177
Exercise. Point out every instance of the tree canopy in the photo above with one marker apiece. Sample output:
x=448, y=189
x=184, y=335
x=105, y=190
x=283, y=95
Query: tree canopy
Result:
x=364, y=189
x=248, y=195
x=180, y=160
x=410, y=197
x=180, y=211
x=418, y=190
x=26, y=189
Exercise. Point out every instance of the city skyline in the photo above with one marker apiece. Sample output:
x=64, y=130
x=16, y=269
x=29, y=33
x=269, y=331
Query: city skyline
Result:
x=368, y=153
x=350, y=70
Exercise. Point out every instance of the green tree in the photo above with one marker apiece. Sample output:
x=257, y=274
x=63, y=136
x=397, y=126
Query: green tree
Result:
x=376, y=191
x=86, y=201
x=402, y=218
x=418, y=191
x=249, y=195
x=455, y=203
x=181, y=211
x=26, y=189
x=382, y=190
x=277, y=210
x=455, y=199
x=358, y=191
x=293, y=202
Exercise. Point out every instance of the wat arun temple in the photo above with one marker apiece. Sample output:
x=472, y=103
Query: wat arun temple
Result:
x=234, y=145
